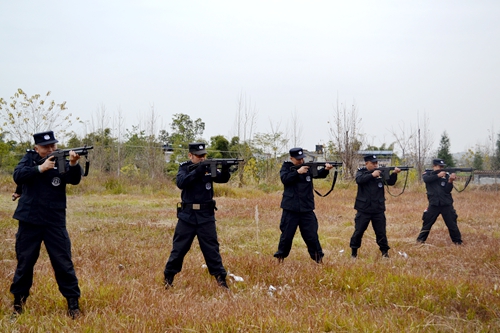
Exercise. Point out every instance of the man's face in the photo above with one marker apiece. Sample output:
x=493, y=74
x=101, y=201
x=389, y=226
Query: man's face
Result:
x=197, y=158
x=43, y=151
x=438, y=167
x=371, y=165
x=297, y=161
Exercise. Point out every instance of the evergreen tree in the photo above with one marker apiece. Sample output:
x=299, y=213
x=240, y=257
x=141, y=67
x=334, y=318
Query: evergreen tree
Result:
x=496, y=158
x=444, y=150
x=478, y=162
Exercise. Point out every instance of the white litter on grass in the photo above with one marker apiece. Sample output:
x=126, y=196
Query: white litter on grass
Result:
x=271, y=290
x=341, y=251
x=236, y=278
x=203, y=266
x=403, y=254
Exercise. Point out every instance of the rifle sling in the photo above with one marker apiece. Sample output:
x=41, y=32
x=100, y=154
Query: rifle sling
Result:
x=404, y=186
x=333, y=185
x=466, y=183
x=87, y=165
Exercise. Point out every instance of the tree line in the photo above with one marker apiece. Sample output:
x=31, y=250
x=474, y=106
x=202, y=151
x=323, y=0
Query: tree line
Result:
x=145, y=150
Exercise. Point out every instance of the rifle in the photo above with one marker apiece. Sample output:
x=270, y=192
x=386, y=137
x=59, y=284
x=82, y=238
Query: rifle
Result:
x=313, y=166
x=452, y=170
x=455, y=170
x=215, y=163
x=61, y=154
x=385, y=170
x=385, y=176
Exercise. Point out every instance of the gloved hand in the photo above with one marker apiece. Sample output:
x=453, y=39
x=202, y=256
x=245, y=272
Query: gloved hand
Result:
x=225, y=167
x=200, y=170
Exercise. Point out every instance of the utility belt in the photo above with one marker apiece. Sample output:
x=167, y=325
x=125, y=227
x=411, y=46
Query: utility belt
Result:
x=196, y=206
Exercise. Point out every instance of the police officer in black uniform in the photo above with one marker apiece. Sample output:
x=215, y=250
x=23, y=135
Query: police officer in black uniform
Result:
x=439, y=185
x=370, y=204
x=298, y=206
x=196, y=216
x=41, y=212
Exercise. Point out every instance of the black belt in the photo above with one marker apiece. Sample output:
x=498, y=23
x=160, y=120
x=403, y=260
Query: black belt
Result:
x=198, y=206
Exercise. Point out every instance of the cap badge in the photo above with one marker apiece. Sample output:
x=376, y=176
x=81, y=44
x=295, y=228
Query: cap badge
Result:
x=46, y=137
x=200, y=147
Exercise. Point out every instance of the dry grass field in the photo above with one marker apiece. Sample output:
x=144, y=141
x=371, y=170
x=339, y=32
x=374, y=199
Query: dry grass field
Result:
x=121, y=242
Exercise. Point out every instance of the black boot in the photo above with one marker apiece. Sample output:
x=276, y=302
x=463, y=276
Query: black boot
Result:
x=18, y=304
x=354, y=253
x=221, y=281
x=385, y=254
x=73, y=307
x=169, y=281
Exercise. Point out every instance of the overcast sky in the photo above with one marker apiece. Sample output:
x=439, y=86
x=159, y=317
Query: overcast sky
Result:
x=395, y=61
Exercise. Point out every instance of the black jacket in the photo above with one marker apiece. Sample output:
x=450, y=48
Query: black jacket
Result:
x=438, y=189
x=370, y=197
x=43, y=199
x=197, y=188
x=298, y=195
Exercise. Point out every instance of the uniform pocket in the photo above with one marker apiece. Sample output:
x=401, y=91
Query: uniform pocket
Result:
x=362, y=203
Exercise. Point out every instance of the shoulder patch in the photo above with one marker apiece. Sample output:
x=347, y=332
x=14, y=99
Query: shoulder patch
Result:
x=184, y=163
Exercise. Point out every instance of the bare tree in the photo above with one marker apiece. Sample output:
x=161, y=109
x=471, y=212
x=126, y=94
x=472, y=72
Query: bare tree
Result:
x=489, y=150
x=346, y=137
x=421, y=145
x=246, y=118
x=415, y=143
x=118, y=125
x=23, y=116
x=295, y=130
x=101, y=137
x=404, y=139
x=154, y=154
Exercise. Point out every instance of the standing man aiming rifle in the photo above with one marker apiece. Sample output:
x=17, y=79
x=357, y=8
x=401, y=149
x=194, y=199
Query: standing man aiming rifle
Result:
x=298, y=206
x=439, y=185
x=370, y=204
x=196, y=215
x=41, y=211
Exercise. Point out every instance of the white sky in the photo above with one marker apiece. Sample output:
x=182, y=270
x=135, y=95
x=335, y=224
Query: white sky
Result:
x=392, y=59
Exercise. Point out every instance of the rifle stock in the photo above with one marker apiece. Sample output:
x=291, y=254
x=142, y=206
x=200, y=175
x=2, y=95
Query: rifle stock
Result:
x=215, y=163
x=313, y=166
x=61, y=154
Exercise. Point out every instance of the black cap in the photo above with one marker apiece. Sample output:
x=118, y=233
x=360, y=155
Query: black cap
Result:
x=44, y=138
x=297, y=153
x=197, y=148
x=438, y=161
x=370, y=158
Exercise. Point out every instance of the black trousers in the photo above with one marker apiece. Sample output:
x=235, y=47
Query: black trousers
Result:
x=183, y=239
x=308, y=226
x=361, y=222
x=29, y=238
x=450, y=219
